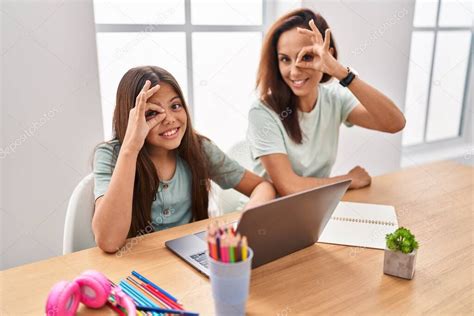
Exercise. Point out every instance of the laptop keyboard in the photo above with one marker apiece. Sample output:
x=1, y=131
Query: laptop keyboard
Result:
x=201, y=258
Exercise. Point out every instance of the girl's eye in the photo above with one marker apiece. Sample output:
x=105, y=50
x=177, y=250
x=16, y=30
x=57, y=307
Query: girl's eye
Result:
x=176, y=106
x=284, y=59
x=150, y=114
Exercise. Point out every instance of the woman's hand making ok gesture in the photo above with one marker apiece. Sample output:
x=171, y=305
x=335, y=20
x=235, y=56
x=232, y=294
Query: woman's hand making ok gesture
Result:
x=319, y=56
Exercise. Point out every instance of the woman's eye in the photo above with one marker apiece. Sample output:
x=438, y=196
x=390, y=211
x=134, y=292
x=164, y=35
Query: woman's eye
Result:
x=307, y=58
x=176, y=106
x=284, y=59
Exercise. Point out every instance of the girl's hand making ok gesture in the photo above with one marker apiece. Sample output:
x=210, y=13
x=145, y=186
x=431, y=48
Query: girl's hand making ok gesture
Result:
x=319, y=55
x=143, y=117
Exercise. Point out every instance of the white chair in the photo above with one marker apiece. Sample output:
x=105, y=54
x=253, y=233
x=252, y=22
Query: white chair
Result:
x=78, y=225
x=231, y=200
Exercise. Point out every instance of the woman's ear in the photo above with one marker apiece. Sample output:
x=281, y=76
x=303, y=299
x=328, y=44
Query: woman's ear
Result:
x=331, y=50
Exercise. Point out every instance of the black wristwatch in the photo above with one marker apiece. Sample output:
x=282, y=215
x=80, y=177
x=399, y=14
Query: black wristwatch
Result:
x=348, y=79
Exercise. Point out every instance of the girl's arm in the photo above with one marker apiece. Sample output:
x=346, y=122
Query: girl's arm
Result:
x=259, y=190
x=113, y=211
x=287, y=182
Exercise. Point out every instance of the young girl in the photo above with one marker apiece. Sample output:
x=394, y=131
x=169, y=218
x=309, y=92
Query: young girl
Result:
x=156, y=171
x=294, y=128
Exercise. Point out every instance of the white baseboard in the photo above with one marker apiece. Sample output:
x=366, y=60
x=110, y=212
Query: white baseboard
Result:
x=431, y=154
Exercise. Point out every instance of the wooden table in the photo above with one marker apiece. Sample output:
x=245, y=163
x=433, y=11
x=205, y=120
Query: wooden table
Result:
x=434, y=201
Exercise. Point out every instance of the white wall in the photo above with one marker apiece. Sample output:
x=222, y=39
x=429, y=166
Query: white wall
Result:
x=51, y=120
x=373, y=37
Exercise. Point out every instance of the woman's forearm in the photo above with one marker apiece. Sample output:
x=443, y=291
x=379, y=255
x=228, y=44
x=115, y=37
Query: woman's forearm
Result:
x=262, y=193
x=113, y=214
x=380, y=107
x=299, y=184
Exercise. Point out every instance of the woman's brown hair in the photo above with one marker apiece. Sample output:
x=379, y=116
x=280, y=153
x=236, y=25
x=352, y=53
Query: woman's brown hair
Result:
x=146, y=177
x=273, y=91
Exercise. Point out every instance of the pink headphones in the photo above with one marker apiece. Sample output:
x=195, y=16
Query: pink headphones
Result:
x=91, y=288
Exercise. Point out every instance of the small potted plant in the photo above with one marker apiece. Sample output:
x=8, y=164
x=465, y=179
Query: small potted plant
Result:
x=400, y=254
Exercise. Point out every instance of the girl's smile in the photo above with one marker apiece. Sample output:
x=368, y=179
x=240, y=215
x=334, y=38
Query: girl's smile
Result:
x=170, y=133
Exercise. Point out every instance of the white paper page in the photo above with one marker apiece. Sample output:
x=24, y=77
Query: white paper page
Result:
x=360, y=224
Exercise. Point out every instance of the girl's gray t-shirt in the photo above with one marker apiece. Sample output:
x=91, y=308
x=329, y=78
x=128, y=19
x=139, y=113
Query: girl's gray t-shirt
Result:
x=172, y=204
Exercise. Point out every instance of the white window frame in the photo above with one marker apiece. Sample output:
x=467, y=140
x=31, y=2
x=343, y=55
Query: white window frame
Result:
x=449, y=147
x=268, y=9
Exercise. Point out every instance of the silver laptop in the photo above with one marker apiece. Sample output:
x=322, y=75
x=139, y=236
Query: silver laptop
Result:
x=274, y=229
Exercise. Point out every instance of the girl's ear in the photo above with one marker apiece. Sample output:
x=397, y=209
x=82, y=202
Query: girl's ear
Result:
x=331, y=50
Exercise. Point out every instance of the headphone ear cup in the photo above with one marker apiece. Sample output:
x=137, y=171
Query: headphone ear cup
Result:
x=94, y=288
x=63, y=299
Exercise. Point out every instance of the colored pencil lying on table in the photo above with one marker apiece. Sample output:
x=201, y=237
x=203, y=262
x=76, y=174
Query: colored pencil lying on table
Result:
x=116, y=309
x=168, y=302
x=167, y=311
x=151, y=292
x=149, y=298
x=142, y=278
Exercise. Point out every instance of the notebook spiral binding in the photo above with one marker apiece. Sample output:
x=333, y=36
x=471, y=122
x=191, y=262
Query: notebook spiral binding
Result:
x=362, y=221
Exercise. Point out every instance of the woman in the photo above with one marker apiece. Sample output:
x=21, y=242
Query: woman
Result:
x=156, y=171
x=294, y=127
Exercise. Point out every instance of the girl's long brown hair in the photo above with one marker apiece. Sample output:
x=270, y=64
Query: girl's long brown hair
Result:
x=273, y=91
x=146, y=177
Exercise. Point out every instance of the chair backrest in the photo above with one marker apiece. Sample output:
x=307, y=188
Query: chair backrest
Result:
x=241, y=153
x=78, y=225
x=231, y=200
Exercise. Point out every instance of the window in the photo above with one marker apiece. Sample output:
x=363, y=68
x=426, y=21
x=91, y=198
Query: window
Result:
x=212, y=47
x=440, y=58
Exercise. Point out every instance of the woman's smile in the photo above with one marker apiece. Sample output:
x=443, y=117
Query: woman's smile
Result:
x=298, y=83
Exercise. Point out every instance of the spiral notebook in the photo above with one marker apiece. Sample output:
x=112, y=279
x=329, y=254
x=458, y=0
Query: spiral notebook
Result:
x=360, y=225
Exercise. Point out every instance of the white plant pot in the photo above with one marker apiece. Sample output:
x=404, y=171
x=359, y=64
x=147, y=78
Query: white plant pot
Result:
x=399, y=264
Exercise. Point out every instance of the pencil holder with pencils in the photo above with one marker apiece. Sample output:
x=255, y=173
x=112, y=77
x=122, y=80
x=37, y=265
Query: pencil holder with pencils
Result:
x=230, y=262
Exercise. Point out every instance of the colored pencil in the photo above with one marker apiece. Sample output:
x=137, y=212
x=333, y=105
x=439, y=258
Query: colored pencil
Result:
x=231, y=249
x=210, y=247
x=128, y=289
x=147, y=292
x=244, y=248
x=225, y=249
x=116, y=309
x=238, y=248
x=167, y=311
x=169, y=302
x=226, y=244
x=140, y=298
x=218, y=246
x=142, y=278
x=135, y=299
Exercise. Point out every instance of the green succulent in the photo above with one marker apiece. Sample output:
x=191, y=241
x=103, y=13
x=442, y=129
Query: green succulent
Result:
x=401, y=239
